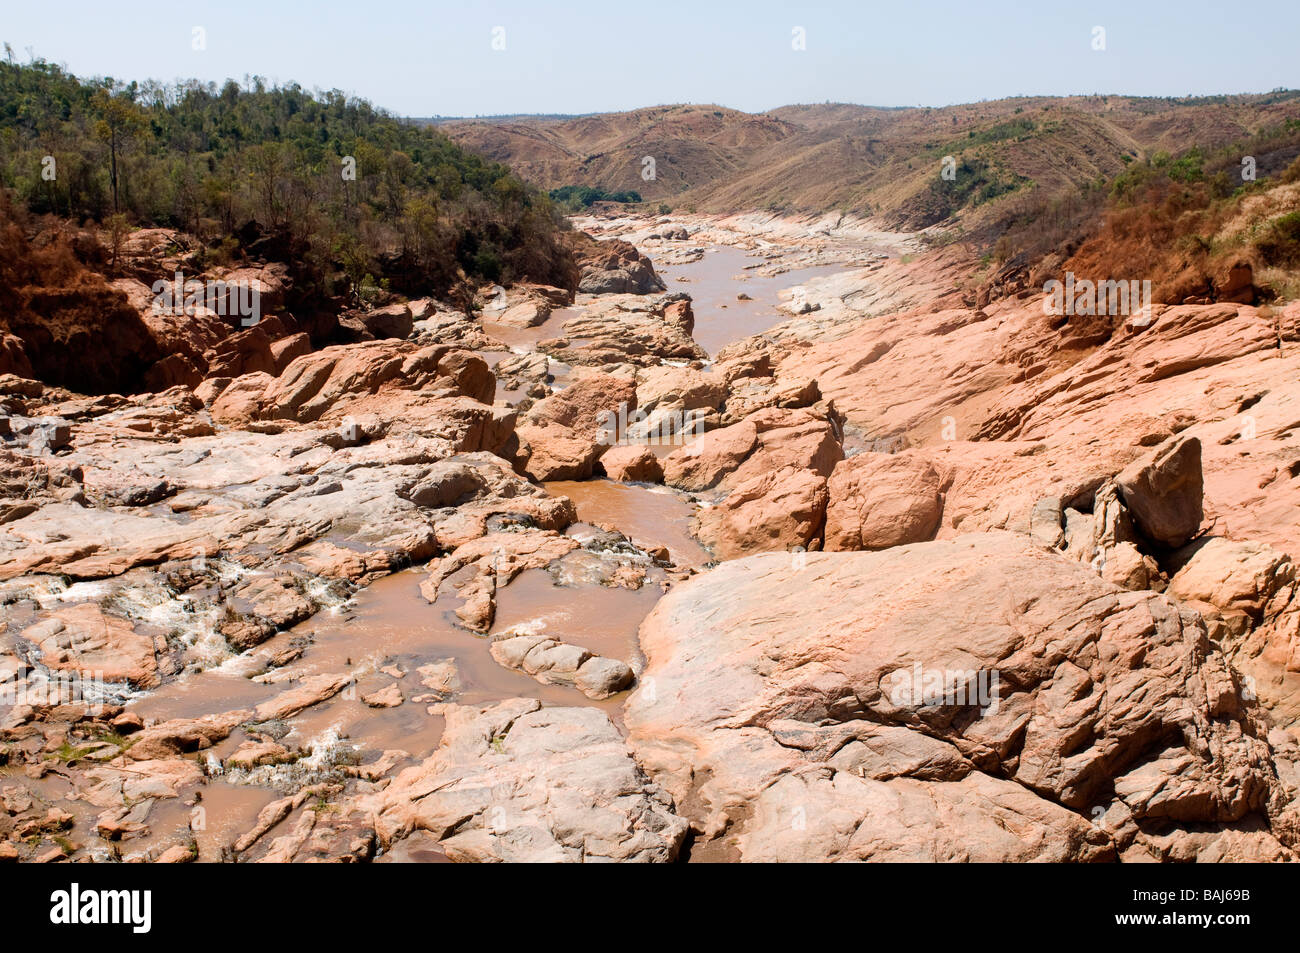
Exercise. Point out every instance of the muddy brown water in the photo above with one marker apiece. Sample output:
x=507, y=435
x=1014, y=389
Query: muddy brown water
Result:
x=388, y=624
x=649, y=516
x=527, y=339
x=713, y=283
x=391, y=624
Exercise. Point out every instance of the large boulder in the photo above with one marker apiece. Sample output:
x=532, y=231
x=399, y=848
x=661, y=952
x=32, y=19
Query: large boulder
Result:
x=565, y=434
x=702, y=464
x=391, y=321
x=774, y=495
x=614, y=267
x=1234, y=577
x=1164, y=492
x=1250, y=596
x=971, y=699
x=677, y=401
x=556, y=453
x=779, y=510
x=588, y=406
x=632, y=464
x=878, y=500
x=245, y=352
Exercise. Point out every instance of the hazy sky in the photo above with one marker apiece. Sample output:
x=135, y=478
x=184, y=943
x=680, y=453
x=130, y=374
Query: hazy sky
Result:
x=432, y=57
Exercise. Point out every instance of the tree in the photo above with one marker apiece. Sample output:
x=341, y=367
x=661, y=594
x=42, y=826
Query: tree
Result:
x=119, y=120
x=118, y=229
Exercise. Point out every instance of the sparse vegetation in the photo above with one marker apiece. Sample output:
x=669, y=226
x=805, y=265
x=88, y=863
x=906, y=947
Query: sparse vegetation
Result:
x=1280, y=244
x=68, y=752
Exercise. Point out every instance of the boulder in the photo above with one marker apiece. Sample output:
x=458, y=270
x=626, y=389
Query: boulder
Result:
x=632, y=464
x=614, y=267
x=627, y=329
x=391, y=321
x=557, y=453
x=783, y=509
x=588, y=406
x=1234, y=577
x=1164, y=493
x=245, y=352
x=184, y=735
x=286, y=350
x=86, y=640
x=388, y=697
x=773, y=498
x=704, y=462
x=567, y=432
x=13, y=357
x=553, y=662
x=878, y=500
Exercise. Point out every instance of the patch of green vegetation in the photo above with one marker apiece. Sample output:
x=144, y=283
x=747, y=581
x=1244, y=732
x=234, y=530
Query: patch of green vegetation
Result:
x=1017, y=129
x=1138, y=180
x=1013, y=130
x=1187, y=168
x=68, y=752
x=121, y=742
x=974, y=181
x=575, y=197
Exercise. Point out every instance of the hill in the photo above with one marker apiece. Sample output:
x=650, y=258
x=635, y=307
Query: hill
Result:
x=349, y=195
x=870, y=161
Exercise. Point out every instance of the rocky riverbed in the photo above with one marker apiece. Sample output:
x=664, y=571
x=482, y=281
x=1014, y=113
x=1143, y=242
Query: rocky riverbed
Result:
x=656, y=569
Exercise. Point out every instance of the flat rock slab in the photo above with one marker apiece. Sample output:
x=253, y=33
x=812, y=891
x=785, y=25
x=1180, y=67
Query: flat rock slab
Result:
x=518, y=782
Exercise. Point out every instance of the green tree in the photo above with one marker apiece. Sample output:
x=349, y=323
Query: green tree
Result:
x=119, y=120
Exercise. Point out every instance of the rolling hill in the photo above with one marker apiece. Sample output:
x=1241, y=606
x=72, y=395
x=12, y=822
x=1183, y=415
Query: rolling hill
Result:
x=872, y=161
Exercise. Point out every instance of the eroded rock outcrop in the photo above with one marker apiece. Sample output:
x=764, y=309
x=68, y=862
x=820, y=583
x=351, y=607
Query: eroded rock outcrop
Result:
x=786, y=705
x=768, y=474
x=614, y=267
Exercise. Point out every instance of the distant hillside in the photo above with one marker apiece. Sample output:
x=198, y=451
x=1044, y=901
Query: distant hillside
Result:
x=872, y=161
x=502, y=117
x=691, y=145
